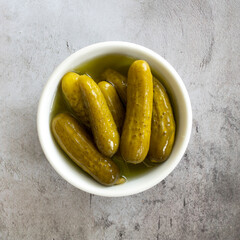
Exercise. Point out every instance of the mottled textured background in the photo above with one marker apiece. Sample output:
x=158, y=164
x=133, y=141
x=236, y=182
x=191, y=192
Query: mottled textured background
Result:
x=201, y=198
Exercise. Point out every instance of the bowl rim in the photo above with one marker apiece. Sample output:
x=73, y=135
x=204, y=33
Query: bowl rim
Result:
x=142, y=50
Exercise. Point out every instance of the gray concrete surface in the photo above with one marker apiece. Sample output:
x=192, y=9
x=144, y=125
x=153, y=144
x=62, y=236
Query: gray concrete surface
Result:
x=201, y=198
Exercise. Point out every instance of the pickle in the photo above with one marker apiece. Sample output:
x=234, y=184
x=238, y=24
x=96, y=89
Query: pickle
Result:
x=163, y=125
x=103, y=127
x=77, y=144
x=118, y=81
x=73, y=95
x=136, y=131
x=114, y=103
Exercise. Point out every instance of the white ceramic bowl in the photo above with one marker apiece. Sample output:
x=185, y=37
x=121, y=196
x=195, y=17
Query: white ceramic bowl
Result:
x=182, y=110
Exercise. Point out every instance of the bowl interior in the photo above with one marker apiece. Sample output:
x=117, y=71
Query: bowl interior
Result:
x=182, y=111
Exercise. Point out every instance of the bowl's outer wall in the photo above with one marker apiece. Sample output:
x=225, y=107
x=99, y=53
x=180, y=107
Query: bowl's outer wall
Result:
x=182, y=110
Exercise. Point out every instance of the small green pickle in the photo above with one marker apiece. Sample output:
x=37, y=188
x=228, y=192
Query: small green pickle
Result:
x=118, y=81
x=163, y=125
x=103, y=127
x=114, y=103
x=78, y=145
x=73, y=95
x=136, y=131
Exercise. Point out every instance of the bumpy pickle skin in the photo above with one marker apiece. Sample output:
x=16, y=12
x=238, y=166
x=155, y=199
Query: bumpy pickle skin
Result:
x=114, y=103
x=73, y=95
x=78, y=145
x=135, y=139
x=103, y=127
x=118, y=81
x=163, y=125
